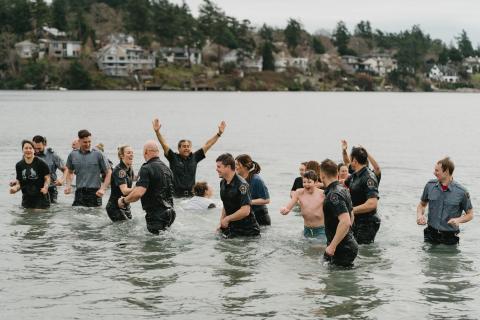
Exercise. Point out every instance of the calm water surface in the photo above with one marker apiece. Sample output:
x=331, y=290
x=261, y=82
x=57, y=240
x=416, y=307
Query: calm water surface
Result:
x=73, y=263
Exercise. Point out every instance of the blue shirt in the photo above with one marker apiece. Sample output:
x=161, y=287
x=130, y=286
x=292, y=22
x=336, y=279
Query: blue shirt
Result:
x=258, y=190
x=444, y=205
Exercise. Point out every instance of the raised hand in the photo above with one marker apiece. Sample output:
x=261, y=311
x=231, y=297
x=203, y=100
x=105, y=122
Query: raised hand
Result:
x=344, y=144
x=156, y=125
x=221, y=127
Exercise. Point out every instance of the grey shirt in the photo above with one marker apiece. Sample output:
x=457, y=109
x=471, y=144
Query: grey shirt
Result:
x=88, y=167
x=444, y=205
x=53, y=161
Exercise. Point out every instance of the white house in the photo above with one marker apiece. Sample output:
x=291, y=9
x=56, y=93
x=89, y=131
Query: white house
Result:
x=26, y=49
x=59, y=48
x=124, y=59
x=443, y=74
x=181, y=55
x=380, y=64
x=472, y=64
x=249, y=64
x=283, y=62
x=351, y=64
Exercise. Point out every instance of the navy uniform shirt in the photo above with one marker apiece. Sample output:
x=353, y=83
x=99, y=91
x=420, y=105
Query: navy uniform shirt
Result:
x=235, y=195
x=363, y=185
x=258, y=190
x=53, y=161
x=120, y=175
x=184, y=170
x=444, y=205
x=88, y=167
x=337, y=201
x=157, y=178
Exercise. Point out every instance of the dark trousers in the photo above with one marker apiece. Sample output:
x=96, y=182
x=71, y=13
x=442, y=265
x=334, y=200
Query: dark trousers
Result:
x=344, y=254
x=434, y=236
x=183, y=193
x=53, y=193
x=159, y=219
x=118, y=214
x=39, y=201
x=365, y=228
x=262, y=216
x=86, y=197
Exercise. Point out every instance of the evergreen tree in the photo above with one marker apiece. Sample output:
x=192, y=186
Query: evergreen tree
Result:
x=21, y=16
x=41, y=14
x=138, y=19
x=59, y=14
x=266, y=33
x=341, y=36
x=293, y=33
x=77, y=78
x=443, y=56
x=465, y=45
x=268, y=63
x=364, y=30
x=317, y=46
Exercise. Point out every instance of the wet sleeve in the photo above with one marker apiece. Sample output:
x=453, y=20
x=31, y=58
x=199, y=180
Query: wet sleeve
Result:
x=103, y=162
x=339, y=204
x=58, y=161
x=143, y=178
x=466, y=202
x=43, y=169
x=170, y=155
x=348, y=180
x=371, y=186
x=424, y=197
x=18, y=169
x=119, y=177
x=245, y=196
x=259, y=189
x=70, y=163
x=297, y=184
x=199, y=155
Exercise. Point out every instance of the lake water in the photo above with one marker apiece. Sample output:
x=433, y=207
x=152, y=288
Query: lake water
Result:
x=73, y=263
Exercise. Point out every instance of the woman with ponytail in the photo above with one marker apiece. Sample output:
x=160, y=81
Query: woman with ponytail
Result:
x=249, y=170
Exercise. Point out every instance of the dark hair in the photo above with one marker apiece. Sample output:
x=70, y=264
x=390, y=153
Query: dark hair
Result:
x=200, y=188
x=39, y=139
x=315, y=166
x=24, y=142
x=447, y=164
x=304, y=164
x=83, y=134
x=252, y=166
x=341, y=164
x=359, y=154
x=329, y=168
x=182, y=141
x=310, y=174
x=227, y=160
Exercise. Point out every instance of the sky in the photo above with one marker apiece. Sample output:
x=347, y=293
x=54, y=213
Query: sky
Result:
x=442, y=19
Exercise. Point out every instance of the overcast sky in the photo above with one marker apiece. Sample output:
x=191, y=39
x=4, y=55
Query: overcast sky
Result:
x=442, y=19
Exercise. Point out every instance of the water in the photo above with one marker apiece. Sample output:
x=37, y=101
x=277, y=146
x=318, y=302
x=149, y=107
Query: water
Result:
x=74, y=263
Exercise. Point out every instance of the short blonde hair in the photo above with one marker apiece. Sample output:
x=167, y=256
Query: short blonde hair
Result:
x=121, y=150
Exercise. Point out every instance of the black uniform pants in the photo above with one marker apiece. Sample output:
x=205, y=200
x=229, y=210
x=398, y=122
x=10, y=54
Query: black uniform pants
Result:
x=344, y=254
x=365, y=228
x=40, y=201
x=434, y=236
x=118, y=214
x=86, y=197
x=159, y=219
x=53, y=193
x=262, y=216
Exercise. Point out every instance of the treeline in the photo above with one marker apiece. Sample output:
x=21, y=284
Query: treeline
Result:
x=157, y=23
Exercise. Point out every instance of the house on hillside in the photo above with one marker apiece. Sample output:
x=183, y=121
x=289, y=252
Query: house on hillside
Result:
x=283, y=62
x=379, y=64
x=181, y=55
x=62, y=49
x=26, y=49
x=443, y=74
x=124, y=59
x=351, y=64
x=246, y=63
x=472, y=64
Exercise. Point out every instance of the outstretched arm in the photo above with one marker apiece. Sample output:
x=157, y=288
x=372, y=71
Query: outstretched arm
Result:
x=214, y=139
x=376, y=167
x=156, y=127
x=285, y=210
x=346, y=158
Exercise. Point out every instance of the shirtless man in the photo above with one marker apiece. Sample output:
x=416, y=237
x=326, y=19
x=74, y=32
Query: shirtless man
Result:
x=310, y=199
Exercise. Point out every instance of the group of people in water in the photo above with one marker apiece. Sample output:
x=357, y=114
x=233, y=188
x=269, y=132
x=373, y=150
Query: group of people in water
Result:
x=338, y=202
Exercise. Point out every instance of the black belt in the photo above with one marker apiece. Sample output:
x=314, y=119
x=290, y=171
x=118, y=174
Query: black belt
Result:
x=183, y=193
x=87, y=189
x=440, y=232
